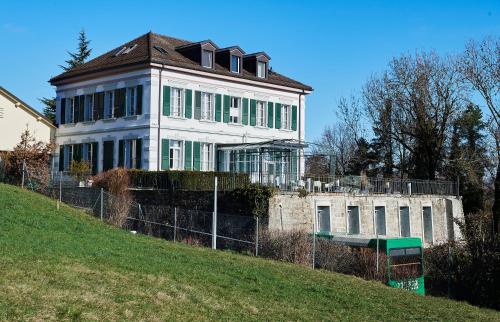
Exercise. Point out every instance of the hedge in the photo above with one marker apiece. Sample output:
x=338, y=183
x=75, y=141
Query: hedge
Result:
x=187, y=180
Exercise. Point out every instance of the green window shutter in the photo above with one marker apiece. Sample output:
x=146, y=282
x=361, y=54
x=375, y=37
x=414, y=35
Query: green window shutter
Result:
x=197, y=105
x=227, y=102
x=139, y=99
x=244, y=113
x=121, y=153
x=278, y=116
x=166, y=100
x=61, y=158
x=165, y=153
x=196, y=156
x=253, y=112
x=188, y=104
x=218, y=107
x=62, y=115
x=188, y=155
x=119, y=108
x=77, y=152
x=294, y=117
x=108, y=153
x=270, y=112
x=138, y=153
x=95, y=156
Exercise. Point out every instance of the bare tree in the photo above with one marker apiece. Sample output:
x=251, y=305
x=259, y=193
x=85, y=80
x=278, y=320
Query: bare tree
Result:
x=425, y=94
x=480, y=67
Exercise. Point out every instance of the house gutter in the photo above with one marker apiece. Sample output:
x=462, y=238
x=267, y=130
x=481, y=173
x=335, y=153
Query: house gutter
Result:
x=158, y=160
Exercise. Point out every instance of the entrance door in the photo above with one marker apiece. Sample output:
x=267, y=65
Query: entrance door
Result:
x=323, y=213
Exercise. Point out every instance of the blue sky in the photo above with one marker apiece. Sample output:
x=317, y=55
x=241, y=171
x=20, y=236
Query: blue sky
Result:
x=334, y=46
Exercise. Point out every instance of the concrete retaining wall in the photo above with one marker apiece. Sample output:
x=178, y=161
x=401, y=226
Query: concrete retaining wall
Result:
x=289, y=211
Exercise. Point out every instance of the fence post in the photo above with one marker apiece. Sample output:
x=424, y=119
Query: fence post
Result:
x=257, y=236
x=214, y=217
x=22, y=179
x=102, y=204
x=314, y=245
x=60, y=186
x=175, y=224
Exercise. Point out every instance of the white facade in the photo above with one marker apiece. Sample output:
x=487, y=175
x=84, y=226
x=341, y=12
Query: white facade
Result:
x=152, y=126
x=16, y=117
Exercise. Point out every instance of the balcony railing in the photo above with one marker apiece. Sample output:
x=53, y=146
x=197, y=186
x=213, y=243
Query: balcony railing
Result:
x=357, y=184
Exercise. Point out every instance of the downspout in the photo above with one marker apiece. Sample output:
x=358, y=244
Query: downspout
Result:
x=158, y=159
x=300, y=129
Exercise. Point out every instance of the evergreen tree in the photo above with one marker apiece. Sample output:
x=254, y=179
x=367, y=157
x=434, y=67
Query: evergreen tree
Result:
x=50, y=108
x=467, y=157
x=76, y=59
x=82, y=53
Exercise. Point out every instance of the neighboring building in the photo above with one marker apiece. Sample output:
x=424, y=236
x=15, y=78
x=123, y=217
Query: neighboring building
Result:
x=160, y=103
x=17, y=116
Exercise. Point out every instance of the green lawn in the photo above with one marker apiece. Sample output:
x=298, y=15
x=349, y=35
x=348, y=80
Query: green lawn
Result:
x=66, y=265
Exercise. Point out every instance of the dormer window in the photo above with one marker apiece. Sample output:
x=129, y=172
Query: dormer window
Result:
x=207, y=58
x=235, y=64
x=261, y=69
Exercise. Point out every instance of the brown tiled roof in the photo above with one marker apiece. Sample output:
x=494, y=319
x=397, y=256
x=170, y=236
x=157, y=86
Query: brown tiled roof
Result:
x=145, y=53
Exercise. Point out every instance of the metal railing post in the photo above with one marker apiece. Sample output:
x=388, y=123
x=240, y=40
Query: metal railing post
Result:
x=214, y=217
x=257, y=236
x=60, y=186
x=102, y=204
x=175, y=224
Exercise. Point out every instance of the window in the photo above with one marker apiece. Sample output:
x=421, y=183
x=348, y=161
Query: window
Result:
x=176, y=103
x=261, y=113
x=234, y=112
x=68, y=156
x=286, y=120
x=87, y=116
x=380, y=220
x=323, y=214
x=131, y=101
x=108, y=104
x=353, y=220
x=131, y=154
x=207, y=58
x=175, y=155
x=261, y=69
x=235, y=64
x=206, y=157
x=427, y=219
x=207, y=106
x=404, y=219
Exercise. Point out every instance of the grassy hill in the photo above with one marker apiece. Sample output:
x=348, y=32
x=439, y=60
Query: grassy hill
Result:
x=66, y=265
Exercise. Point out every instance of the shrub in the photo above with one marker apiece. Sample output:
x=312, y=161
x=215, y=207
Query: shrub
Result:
x=469, y=270
x=119, y=200
x=187, y=180
x=297, y=247
x=80, y=169
x=35, y=155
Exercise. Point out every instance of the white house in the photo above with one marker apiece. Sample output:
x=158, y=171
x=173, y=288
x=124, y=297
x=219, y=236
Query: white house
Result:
x=159, y=103
x=17, y=116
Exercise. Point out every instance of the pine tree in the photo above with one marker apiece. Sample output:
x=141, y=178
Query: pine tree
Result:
x=76, y=59
x=50, y=108
x=82, y=53
x=466, y=157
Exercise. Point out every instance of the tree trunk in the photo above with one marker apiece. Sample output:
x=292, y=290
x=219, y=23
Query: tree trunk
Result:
x=496, y=203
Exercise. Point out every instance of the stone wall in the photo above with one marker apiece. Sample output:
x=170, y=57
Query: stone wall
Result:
x=289, y=211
